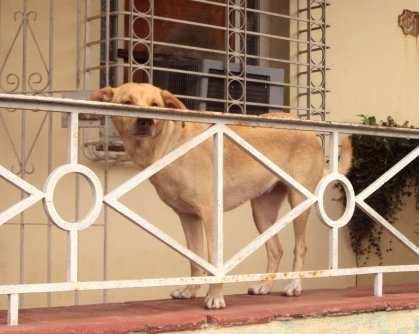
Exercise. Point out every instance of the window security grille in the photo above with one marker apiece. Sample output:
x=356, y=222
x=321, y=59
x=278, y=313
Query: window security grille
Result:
x=142, y=39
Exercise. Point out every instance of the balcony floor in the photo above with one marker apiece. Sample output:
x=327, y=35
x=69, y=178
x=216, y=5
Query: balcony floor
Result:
x=171, y=315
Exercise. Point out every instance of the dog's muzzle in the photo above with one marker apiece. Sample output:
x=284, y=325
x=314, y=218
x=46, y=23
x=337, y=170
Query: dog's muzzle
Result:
x=144, y=127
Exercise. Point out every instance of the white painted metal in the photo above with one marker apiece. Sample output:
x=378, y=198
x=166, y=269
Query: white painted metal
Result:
x=333, y=248
x=333, y=152
x=334, y=225
x=13, y=314
x=350, y=200
x=72, y=256
x=265, y=236
x=218, y=202
x=158, y=282
x=219, y=269
x=97, y=193
x=34, y=195
x=379, y=219
x=378, y=284
x=112, y=198
x=263, y=160
x=16, y=101
x=73, y=138
x=388, y=175
x=360, y=199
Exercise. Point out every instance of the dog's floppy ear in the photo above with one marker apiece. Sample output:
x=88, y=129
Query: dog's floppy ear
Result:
x=103, y=95
x=171, y=101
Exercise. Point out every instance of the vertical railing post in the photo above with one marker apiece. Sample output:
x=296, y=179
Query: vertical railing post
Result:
x=333, y=231
x=13, y=309
x=73, y=138
x=333, y=248
x=72, y=255
x=72, y=158
x=333, y=152
x=218, y=202
x=378, y=285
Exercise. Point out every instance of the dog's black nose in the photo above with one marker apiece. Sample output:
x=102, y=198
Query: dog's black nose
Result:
x=143, y=127
x=144, y=122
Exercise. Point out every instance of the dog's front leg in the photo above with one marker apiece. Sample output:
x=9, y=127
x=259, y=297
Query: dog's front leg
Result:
x=193, y=229
x=215, y=296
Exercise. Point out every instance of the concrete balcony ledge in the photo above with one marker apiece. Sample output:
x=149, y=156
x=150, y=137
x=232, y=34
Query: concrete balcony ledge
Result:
x=159, y=316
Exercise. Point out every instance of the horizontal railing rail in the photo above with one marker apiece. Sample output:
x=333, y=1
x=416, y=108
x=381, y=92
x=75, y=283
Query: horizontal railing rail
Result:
x=219, y=271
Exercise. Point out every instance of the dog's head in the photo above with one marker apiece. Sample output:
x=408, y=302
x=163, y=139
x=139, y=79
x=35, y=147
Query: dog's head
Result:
x=138, y=95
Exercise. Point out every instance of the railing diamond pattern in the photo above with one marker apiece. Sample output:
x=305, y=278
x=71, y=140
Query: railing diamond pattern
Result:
x=34, y=195
x=218, y=129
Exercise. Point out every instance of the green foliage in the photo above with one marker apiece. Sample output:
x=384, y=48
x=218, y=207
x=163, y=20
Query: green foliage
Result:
x=373, y=156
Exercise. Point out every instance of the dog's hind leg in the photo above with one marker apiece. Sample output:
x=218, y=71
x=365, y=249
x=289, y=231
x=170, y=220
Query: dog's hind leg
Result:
x=193, y=229
x=300, y=248
x=265, y=211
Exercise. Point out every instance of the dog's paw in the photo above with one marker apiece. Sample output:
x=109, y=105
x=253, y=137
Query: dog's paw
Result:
x=293, y=289
x=262, y=288
x=212, y=302
x=187, y=292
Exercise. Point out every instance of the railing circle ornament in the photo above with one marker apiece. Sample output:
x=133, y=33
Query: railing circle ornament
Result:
x=350, y=200
x=97, y=196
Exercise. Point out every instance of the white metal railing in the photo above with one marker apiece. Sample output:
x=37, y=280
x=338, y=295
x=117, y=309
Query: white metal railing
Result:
x=219, y=271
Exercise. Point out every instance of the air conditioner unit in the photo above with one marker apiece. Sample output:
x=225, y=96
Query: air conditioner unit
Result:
x=204, y=79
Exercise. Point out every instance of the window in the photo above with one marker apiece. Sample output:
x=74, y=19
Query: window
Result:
x=222, y=55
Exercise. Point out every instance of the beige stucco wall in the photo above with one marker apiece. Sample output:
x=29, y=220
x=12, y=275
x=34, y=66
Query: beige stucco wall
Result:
x=374, y=70
x=375, y=67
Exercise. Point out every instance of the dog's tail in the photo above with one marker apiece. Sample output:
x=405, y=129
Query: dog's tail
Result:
x=345, y=156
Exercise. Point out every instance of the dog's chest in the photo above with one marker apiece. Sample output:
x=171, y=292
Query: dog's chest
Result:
x=174, y=194
x=175, y=202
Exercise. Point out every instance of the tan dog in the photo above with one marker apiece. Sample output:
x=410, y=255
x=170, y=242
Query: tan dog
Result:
x=186, y=185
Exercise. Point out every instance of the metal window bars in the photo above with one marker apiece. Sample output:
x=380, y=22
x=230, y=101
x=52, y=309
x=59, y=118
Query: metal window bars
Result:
x=140, y=41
